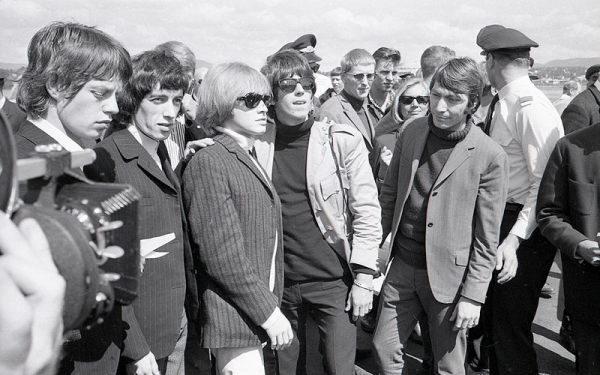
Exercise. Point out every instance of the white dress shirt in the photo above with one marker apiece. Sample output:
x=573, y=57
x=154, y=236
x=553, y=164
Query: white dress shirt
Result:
x=527, y=126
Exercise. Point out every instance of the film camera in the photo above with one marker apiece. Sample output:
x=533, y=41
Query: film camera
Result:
x=91, y=227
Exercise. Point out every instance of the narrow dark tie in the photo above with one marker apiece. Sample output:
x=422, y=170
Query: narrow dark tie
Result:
x=488, y=119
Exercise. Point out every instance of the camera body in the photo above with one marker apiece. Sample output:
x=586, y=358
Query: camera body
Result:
x=92, y=228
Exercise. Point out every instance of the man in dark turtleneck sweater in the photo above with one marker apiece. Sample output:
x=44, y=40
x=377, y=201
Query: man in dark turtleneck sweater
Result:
x=322, y=175
x=452, y=179
x=350, y=107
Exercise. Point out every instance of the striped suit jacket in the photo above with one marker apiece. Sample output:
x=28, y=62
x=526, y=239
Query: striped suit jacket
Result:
x=235, y=222
x=152, y=322
x=14, y=115
x=28, y=136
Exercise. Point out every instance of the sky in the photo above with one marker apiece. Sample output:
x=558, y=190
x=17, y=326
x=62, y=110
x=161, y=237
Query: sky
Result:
x=250, y=30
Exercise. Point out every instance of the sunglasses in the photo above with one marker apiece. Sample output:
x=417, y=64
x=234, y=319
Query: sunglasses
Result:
x=361, y=76
x=407, y=100
x=252, y=99
x=289, y=84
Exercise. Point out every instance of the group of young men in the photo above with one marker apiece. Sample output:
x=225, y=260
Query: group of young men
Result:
x=459, y=202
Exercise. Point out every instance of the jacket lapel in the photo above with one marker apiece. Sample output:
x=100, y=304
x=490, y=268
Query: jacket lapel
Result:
x=231, y=146
x=460, y=153
x=354, y=119
x=34, y=134
x=130, y=148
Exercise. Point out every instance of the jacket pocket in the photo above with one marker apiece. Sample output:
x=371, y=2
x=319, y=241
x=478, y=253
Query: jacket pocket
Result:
x=462, y=258
x=582, y=197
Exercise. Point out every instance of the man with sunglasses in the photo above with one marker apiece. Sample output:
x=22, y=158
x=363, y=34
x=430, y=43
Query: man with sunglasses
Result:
x=381, y=96
x=322, y=175
x=350, y=107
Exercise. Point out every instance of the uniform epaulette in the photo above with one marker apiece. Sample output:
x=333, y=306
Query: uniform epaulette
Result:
x=525, y=100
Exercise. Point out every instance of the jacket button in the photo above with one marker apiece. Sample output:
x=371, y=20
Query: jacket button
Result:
x=430, y=225
x=434, y=194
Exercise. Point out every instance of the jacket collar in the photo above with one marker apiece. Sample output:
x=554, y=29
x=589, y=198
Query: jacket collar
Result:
x=355, y=120
x=244, y=157
x=130, y=149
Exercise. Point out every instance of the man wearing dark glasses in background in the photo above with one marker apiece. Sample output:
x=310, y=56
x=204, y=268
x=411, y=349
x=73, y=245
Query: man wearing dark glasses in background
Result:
x=350, y=107
x=322, y=175
x=381, y=96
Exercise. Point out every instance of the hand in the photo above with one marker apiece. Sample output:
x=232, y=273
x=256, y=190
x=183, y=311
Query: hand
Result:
x=589, y=251
x=145, y=366
x=386, y=156
x=193, y=146
x=280, y=332
x=360, y=300
x=190, y=107
x=466, y=314
x=506, y=258
x=31, y=322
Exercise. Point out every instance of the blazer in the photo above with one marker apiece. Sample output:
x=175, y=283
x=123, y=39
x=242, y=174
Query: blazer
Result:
x=235, y=221
x=14, y=115
x=568, y=212
x=339, y=110
x=28, y=136
x=464, y=212
x=583, y=111
x=341, y=189
x=152, y=322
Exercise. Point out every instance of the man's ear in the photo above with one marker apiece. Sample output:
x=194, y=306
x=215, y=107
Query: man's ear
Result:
x=53, y=91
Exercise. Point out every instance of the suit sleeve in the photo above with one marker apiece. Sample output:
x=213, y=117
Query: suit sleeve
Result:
x=574, y=117
x=553, y=210
x=489, y=209
x=217, y=230
x=135, y=346
x=134, y=343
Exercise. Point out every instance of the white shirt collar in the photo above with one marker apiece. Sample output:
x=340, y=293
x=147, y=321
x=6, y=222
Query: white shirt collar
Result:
x=61, y=138
x=2, y=101
x=513, y=85
x=245, y=142
x=149, y=144
x=597, y=84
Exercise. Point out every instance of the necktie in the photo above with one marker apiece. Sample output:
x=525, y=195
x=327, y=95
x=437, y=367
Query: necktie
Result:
x=488, y=119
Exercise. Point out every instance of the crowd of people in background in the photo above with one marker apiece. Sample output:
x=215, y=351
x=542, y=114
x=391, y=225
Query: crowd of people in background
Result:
x=456, y=186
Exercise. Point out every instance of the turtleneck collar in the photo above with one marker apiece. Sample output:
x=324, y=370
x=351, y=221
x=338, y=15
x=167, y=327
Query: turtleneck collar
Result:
x=296, y=130
x=450, y=135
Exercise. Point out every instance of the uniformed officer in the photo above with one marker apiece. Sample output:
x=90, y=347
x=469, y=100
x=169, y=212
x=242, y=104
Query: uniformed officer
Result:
x=306, y=46
x=524, y=122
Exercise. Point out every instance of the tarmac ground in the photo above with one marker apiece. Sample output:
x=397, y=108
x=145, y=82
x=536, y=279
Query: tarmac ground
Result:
x=553, y=359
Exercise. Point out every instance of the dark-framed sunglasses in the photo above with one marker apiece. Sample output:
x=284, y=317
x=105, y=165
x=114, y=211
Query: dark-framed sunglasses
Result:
x=407, y=100
x=289, y=84
x=361, y=76
x=252, y=99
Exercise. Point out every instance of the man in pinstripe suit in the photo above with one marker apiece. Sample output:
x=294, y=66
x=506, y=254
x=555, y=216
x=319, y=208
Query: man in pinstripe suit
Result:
x=235, y=222
x=150, y=334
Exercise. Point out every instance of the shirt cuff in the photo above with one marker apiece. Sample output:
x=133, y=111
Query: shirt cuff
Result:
x=272, y=319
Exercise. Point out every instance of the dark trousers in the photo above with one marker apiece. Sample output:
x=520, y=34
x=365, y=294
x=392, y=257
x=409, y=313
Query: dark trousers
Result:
x=510, y=308
x=587, y=344
x=325, y=301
